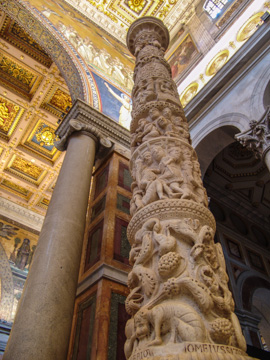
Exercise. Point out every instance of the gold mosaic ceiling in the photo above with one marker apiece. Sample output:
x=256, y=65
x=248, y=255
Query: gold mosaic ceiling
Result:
x=33, y=96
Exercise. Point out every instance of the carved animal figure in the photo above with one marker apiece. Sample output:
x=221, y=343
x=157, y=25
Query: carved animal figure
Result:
x=181, y=321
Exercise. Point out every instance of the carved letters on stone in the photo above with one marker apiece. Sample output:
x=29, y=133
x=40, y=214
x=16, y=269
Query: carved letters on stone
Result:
x=179, y=300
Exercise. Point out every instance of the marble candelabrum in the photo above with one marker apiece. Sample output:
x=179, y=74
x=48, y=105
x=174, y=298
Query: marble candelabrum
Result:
x=179, y=301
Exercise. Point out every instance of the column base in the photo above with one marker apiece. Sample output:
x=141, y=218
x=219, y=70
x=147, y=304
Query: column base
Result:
x=189, y=351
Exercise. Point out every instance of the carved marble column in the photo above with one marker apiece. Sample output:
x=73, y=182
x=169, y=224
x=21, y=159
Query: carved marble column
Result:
x=257, y=137
x=179, y=301
x=42, y=325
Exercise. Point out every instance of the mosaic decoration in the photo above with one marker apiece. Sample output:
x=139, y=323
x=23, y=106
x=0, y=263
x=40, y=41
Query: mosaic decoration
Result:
x=57, y=101
x=94, y=246
x=25, y=169
x=217, y=62
x=189, y=93
x=84, y=329
x=96, y=47
x=17, y=247
x=15, y=189
x=249, y=27
x=182, y=56
x=121, y=244
x=41, y=139
x=18, y=77
x=101, y=181
x=113, y=102
x=98, y=208
x=123, y=203
x=118, y=319
x=15, y=35
x=10, y=115
x=124, y=177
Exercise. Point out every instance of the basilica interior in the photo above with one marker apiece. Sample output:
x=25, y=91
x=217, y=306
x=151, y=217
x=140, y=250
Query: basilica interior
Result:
x=67, y=59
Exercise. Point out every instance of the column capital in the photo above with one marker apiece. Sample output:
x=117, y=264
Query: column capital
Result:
x=83, y=118
x=147, y=31
x=87, y=129
x=257, y=137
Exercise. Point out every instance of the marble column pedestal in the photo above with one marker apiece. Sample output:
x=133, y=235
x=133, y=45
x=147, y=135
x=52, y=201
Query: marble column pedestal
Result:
x=42, y=326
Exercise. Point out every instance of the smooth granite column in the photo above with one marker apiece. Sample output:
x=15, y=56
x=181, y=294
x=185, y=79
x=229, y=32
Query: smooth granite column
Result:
x=257, y=137
x=42, y=325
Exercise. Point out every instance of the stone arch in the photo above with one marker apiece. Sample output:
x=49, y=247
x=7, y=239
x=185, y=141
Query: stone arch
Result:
x=260, y=306
x=266, y=96
x=72, y=68
x=215, y=135
x=260, y=93
x=248, y=285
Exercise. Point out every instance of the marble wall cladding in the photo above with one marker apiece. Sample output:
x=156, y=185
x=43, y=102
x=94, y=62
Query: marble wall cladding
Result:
x=93, y=249
x=118, y=319
x=121, y=244
x=84, y=329
x=101, y=181
x=123, y=203
x=98, y=329
x=124, y=177
x=109, y=205
x=98, y=208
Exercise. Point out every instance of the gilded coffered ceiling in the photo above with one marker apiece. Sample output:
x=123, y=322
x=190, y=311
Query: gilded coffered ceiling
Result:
x=33, y=96
x=117, y=15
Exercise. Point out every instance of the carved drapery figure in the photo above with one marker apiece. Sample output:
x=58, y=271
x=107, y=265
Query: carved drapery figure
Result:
x=179, y=301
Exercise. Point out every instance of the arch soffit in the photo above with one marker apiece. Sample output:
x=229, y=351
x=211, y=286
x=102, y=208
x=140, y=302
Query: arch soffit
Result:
x=206, y=127
x=70, y=66
x=256, y=103
x=248, y=282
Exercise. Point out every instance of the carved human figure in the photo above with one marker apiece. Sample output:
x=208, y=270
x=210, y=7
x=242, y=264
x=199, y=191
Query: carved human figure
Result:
x=179, y=287
x=171, y=171
x=154, y=186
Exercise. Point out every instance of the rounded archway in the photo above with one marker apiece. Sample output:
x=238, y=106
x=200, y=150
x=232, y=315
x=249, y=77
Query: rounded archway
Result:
x=260, y=306
x=71, y=66
x=213, y=143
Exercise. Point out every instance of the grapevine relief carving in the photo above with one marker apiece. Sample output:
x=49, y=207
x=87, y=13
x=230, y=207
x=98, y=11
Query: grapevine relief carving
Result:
x=178, y=283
